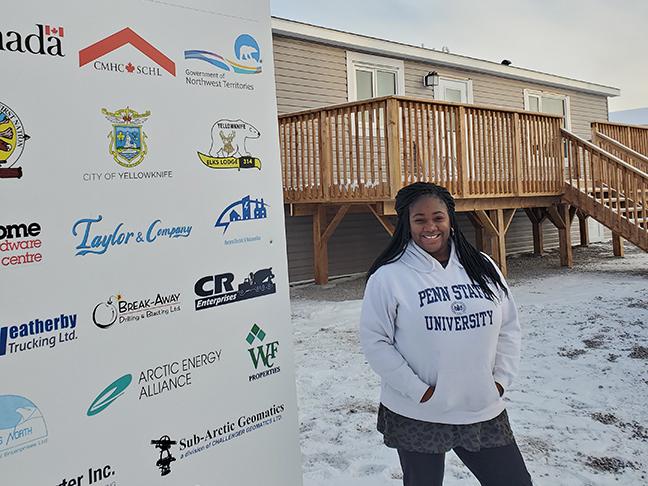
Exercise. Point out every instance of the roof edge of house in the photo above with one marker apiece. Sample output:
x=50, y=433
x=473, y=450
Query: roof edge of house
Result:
x=302, y=30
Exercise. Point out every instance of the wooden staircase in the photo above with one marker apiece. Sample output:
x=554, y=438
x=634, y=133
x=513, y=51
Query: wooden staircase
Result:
x=611, y=190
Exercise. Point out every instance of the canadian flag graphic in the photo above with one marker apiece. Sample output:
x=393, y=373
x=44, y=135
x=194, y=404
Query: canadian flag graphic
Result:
x=49, y=30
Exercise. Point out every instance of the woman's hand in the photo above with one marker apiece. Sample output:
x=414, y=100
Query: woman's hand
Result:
x=428, y=394
x=500, y=389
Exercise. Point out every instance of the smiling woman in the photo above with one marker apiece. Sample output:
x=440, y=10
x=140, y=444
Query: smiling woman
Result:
x=430, y=297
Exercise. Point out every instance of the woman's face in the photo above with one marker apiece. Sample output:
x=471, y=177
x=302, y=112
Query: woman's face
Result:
x=430, y=226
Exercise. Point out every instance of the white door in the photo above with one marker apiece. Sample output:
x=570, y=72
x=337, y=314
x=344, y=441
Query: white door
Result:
x=457, y=91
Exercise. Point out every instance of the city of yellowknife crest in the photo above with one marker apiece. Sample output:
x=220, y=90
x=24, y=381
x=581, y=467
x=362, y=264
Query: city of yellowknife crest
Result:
x=127, y=139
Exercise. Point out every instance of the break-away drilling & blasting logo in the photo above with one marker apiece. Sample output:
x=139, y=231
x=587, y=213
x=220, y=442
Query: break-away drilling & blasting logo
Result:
x=120, y=309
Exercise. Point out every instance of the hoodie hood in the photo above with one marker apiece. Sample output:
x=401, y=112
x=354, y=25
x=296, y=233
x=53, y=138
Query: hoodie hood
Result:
x=420, y=260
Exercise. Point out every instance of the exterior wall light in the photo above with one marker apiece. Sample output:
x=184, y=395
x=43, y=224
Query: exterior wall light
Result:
x=431, y=79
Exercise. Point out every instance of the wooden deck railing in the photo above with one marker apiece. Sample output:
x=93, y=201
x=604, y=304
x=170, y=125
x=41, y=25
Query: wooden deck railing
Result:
x=619, y=150
x=366, y=151
x=632, y=136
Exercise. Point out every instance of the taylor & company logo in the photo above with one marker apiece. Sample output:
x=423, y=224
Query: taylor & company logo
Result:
x=19, y=244
x=95, y=242
x=221, y=71
x=38, y=334
x=22, y=425
x=95, y=54
x=12, y=143
x=46, y=41
x=228, y=148
x=207, y=440
x=240, y=212
x=262, y=353
x=215, y=290
x=120, y=309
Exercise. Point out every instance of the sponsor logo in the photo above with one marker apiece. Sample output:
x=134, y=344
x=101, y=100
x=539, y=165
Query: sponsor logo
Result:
x=207, y=440
x=229, y=146
x=95, y=243
x=262, y=356
x=20, y=238
x=111, y=393
x=95, y=475
x=244, y=210
x=118, y=308
x=22, y=425
x=222, y=70
x=127, y=139
x=94, y=54
x=215, y=290
x=38, y=334
x=164, y=444
x=46, y=41
x=12, y=143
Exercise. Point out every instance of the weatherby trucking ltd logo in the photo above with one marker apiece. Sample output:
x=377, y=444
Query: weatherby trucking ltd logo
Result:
x=46, y=41
x=229, y=146
x=12, y=143
x=215, y=290
x=119, y=309
x=95, y=53
x=37, y=334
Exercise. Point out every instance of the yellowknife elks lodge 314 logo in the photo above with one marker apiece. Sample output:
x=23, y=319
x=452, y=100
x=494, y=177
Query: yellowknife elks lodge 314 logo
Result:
x=229, y=146
x=127, y=139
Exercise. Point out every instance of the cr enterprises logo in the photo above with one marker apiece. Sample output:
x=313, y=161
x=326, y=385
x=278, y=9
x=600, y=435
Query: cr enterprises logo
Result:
x=263, y=355
x=93, y=242
x=229, y=146
x=215, y=290
x=118, y=308
x=94, y=53
x=46, y=41
x=12, y=143
x=37, y=334
x=22, y=425
x=20, y=238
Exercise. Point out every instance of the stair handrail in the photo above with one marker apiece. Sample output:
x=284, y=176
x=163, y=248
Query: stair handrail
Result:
x=623, y=148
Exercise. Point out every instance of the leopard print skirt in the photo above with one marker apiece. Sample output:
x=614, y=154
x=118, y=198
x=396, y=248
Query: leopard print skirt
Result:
x=431, y=438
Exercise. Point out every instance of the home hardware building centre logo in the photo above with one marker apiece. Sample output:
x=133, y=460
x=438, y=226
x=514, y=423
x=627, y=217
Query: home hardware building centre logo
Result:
x=38, y=334
x=215, y=290
x=119, y=309
x=223, y=70
x=95, y=52
x=22, y=425
x=95, y=243
x=229, y=146
x=12, y=143
x=19, y=244
x=263, y=355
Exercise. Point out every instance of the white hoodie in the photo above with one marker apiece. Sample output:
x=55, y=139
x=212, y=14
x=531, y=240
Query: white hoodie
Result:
x=424, y=325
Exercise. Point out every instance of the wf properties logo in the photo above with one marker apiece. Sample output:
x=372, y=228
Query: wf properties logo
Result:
x=263, y=355
x=97, y=243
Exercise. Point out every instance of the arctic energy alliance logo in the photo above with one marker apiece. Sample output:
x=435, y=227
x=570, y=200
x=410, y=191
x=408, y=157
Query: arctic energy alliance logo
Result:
x=262, y=353
x=109, y=394
x=96, y=53
x=229, y=146
x=215, y=290
x=38, y=334
x=120, y=309
x=220, y=71
x=22, y=425
x=12, y=143
x=94, y=242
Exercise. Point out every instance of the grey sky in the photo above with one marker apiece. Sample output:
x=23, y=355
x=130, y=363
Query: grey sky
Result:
x=602, y=41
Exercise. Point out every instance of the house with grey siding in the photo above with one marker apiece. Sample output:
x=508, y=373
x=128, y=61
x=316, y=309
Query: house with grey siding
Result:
x=317, y=67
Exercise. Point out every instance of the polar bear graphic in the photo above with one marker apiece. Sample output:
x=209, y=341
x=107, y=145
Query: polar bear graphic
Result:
x=229, y=138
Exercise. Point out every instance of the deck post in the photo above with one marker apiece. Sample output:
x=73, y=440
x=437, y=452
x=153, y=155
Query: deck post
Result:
x=560, y=217
x=517, y=155
x=537, y=217
x=496, y=224
x=479, y=231
x=320, y=246
x=462, y=154
x=325, y=154
x=393, y=146
x=617, y=245
x=583, y=228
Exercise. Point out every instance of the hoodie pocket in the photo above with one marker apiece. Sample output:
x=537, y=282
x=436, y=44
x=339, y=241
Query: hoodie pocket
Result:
x=470, y=390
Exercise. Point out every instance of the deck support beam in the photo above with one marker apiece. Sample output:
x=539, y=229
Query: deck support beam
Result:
x=537, y=217
x=496, y=223
x=583, y=227
x=322, y=232
x=617, y=245
x=382, y=219
x=561, y=216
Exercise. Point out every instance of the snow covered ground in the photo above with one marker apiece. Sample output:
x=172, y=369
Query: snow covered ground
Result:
x=579, y=407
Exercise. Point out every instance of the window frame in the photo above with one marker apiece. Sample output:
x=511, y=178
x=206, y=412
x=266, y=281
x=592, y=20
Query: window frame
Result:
x=539, y=94
x=368, y=62
x=467, y=82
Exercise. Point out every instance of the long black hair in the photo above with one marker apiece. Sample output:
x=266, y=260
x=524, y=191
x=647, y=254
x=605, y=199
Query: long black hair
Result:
x=479, y=268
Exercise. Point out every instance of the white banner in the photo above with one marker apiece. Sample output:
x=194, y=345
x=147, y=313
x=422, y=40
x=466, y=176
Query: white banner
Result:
x=145, y=333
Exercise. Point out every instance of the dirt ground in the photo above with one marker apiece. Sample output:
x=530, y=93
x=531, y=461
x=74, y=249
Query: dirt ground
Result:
x=598, y=257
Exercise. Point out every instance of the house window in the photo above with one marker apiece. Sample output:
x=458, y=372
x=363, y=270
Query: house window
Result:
x=551, y=103
x=373, y=76
x=455, y=90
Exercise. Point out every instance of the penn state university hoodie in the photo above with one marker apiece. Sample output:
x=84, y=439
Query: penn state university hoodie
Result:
x=425, y=325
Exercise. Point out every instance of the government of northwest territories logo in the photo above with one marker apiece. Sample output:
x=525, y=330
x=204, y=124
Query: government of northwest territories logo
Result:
x=118, y=308
x=22, y=425
x=215, y=290
x=12, y=143
x=94, y=53
x=246, y=52
x=262, y=353
x=127, y=139
x=229, y=146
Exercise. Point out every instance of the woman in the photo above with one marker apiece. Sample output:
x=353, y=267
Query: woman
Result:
x=440, y=328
